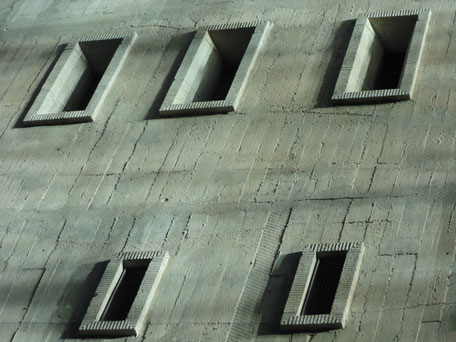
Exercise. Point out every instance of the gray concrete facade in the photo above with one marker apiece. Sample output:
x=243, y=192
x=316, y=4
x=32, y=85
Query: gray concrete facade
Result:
x=233, y=199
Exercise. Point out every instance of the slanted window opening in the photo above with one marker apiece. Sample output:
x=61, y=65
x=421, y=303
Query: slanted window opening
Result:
x=89, y=67
x=226, y=50
x=81, y=79
x=124, y=294
x=323, y=287
x=215, y=69
x=383, y=56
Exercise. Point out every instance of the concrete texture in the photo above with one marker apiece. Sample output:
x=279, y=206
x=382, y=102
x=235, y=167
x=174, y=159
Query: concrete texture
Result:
x=232, y=198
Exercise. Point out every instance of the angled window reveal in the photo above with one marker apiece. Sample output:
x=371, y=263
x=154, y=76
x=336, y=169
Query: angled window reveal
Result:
x=215, y=69
x=125, y=292
x=323, y=287
x=80, y=81
x=383, y=57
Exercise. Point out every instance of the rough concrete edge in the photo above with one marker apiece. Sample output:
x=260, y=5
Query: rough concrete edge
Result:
x=414, y=53
x=300, y=286
x=312, y=322
x=107, y=36
x=366, y=96
x=146, y=291
x=102, y=294
x=395, y=13
x=231, y=26
x=110, y=74
x=248, y=62
x=206, y=107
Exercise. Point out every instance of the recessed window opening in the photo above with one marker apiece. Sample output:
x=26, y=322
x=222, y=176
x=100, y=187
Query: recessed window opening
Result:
x=79, y=82
x=324, y=283
x=215, y=70
x=124, y=294
x=383, y=57
x=217, y=61
x=89, y=64
x=228, y=49
x=384, y=42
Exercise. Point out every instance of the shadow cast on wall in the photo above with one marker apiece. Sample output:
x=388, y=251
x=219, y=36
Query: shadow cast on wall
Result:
x=178, y=47
x=339, y=48
x=276, y=295
x=77, y=296
x=58, y=52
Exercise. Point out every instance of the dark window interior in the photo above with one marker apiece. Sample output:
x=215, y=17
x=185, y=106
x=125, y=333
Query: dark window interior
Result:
x=390, y=70
x=324, y=283
x=124, y=294
x=98, y=55
x=224, y=83
x=231, y=45
x=395, y=34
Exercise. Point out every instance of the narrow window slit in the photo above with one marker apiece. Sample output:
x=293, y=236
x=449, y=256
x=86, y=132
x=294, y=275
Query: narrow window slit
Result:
x=324, y=283
x=124, y=294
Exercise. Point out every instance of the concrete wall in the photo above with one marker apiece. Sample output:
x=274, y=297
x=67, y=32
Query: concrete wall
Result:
x=226, y=195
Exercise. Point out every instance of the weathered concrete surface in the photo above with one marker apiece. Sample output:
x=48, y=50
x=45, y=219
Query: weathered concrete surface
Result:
x=213, y=190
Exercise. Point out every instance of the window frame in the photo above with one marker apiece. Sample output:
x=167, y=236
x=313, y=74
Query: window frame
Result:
x=292, y=318
x=230, y=103
x=405, y=90
x=135, y=321
x=62, y=70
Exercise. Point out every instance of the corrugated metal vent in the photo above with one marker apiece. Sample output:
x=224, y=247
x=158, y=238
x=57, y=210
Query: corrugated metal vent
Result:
x=123, y=296
x=324, y=283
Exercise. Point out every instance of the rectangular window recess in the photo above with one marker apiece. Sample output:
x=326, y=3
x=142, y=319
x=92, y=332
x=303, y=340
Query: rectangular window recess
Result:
x=323, y=287
x=124, y=294
x=81, y=79
x=215, y=69
x=323, y=284
x=120, y=304
x=383, y=56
